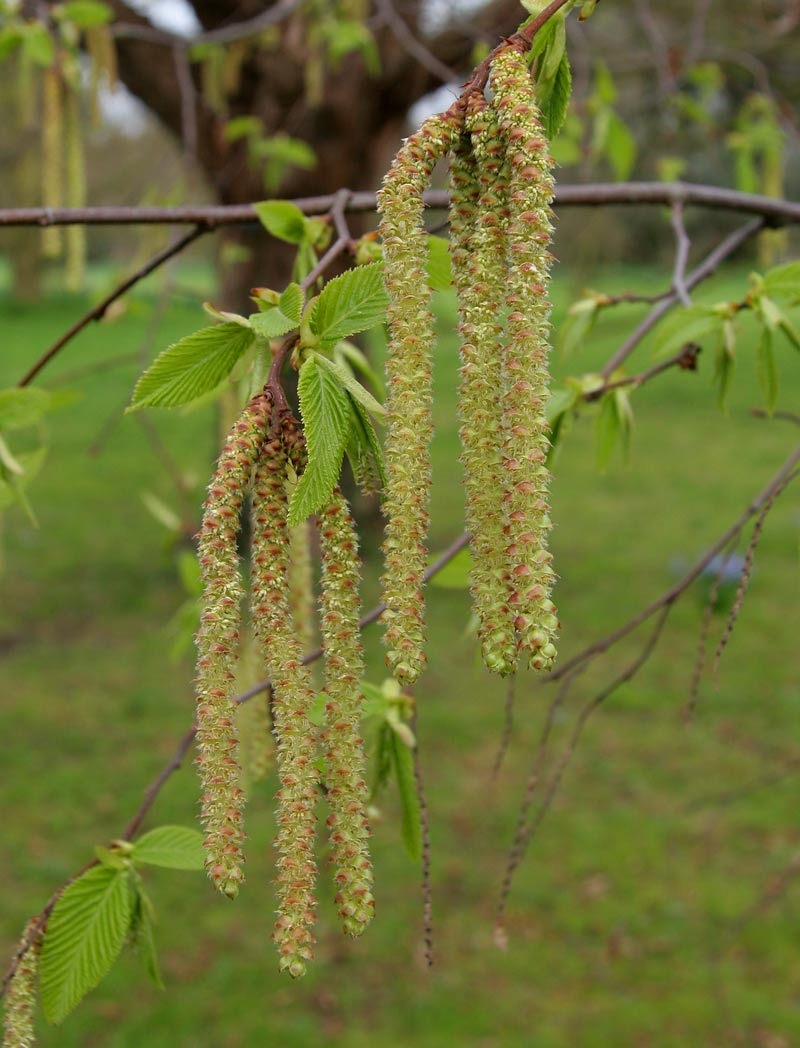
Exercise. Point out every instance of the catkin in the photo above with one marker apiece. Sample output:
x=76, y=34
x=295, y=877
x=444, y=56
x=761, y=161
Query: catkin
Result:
x=408, y=402
x=292, y=702
x=345, y=771
x=52, y=156
x=75, y=171
x=480, y=184
x=20, y=999
x=222, y=799
x=526, y=360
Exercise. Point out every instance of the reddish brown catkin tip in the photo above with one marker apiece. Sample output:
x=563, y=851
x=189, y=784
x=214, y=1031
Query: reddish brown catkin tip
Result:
x=19, y=1006
x=292, y=702
x=408, y=400
x=479, y=178
x=222, y=798
x=526, y=360
x=340, y=609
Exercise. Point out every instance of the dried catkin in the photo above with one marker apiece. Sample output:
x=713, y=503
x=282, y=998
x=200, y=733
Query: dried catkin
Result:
x=479, y=177
x=293, y=699
x=20, y=1000
x=526, y=359
x=343, y=747
x=408, y=401
x=218, y=648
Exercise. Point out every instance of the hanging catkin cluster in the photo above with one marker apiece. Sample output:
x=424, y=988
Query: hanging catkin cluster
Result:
x=261, y=458
x=501, y=187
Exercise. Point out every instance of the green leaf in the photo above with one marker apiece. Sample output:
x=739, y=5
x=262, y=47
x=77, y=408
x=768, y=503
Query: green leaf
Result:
x=686, y=325
x=365, y=452
x=767, y=369
x=327, y=419
x=86, y=13
x=440, y=276
x=142, y=930
x=725, y=362
x=620, y=146
x=20, y=408
x=403, y=763
x=577, y=324
x=272, y=323
x=607, y=431
x=783, y=280
x=291, y=302
x=283, y=219
x=352, y=302
x=176, y=847
x=13, y=487
x=39, y=45
x=553, y=97
x=351, y=384
x=85, y=934
x=192, y=367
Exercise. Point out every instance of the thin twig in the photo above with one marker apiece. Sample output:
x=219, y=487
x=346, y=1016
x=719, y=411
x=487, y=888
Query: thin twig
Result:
x=98, y=311
x=709, y=264
x=773, y=211
x=414, y=47
x=682, y=248
x=685, y=359
x=508, y=727
x=747, y=570
x=517, y=851
x=674, y=592
x=525, y=833
x=425, y=830
x=702, y=641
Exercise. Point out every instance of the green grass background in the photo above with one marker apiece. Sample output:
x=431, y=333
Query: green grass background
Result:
x=636, y=918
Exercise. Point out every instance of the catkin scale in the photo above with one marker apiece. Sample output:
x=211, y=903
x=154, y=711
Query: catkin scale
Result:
x=526, y=360
x=20, y=999
x=408, y=401
x=293, y=697
x=342, y=745
x=480, y=180
x=222, y=798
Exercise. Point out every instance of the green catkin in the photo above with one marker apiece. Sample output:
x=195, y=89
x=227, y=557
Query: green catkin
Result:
x=292, y=703
x=408, y=401
x=20, y=1000
x=480, y=182
x=345, y=765
x=102, y=67
x=52, y=156
x=222, y=798
x=526, y=360
x=301, y=583
x=75, y=171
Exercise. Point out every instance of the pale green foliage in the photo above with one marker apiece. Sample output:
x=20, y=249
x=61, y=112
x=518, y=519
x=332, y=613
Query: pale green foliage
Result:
x=348, y=304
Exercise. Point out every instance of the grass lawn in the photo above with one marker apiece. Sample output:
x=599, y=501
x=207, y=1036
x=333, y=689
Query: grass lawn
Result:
x=650, y=909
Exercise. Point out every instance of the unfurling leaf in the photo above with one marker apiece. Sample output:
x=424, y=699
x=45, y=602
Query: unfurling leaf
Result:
x=351, y=384
x=85, y=933
x=196, y=365
x=403, y=763
x=176, y=847
x=327, y=415
x=352, y=302
x=283, y=219
x=767, y=369
x=686, y=325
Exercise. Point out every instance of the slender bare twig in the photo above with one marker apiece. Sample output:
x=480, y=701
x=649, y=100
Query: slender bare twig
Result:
x=682, y=247
x=702, y=640
x=773, y=211
x=188, y=97
x=152, y=791
x=412, y=45
x=98, y=311
x=685, y=359
x=508, y=726
x=525, y=833
x=709, y=264
x=425, y=830
x=342, y=243
x=786, y=416
x=518, y=845
x=224, y=35
x=747, y=570
x=674, y=592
